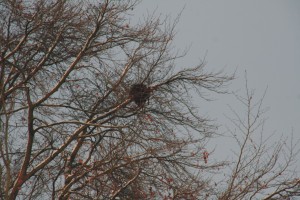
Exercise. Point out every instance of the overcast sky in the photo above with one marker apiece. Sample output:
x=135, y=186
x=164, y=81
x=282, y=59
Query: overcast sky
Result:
x=259, y=36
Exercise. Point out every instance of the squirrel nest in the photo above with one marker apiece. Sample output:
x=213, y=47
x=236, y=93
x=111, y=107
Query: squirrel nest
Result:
x=140, y=93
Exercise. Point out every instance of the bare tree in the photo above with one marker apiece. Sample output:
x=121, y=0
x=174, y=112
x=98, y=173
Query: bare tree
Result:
x=263, y=168
x=94, y=107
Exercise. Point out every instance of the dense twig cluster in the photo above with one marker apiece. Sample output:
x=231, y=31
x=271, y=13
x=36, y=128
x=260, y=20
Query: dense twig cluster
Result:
x=140, y=93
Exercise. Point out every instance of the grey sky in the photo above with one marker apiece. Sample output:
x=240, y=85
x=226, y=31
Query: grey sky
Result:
x=260, y=36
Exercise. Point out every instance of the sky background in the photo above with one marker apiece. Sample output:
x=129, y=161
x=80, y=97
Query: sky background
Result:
x=259, y=36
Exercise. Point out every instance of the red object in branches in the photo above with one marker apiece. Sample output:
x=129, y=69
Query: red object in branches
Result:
x=169, y=180
x=149, y=118
x=205, y=156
